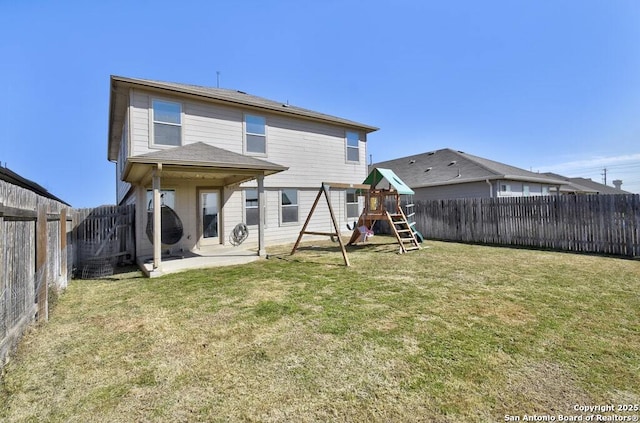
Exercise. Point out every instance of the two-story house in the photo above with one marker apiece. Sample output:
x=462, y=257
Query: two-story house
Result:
x=220, y=157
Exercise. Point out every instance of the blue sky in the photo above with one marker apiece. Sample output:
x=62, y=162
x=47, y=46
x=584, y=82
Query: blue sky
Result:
x=548, y=85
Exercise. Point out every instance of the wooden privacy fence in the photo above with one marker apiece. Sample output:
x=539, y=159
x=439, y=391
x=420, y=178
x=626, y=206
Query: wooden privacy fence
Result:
x=104, y=237
x=41, y=242
x=34, y=246
x=602, y=224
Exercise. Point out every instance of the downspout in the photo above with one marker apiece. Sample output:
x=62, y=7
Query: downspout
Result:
x=490, y=188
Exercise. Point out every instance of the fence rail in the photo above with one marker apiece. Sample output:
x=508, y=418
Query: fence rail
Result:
x=602, y=224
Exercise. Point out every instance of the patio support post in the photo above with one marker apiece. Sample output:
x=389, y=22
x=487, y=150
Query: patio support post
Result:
x=157, y=221
x=261, y=215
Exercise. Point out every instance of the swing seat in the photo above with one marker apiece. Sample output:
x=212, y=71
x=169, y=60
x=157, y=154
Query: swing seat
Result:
x=171, y=224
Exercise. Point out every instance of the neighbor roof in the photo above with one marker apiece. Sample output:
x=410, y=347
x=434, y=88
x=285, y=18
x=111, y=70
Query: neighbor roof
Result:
x=447, y=166
x=585, y=186
x=11, y=177
x=120, y=95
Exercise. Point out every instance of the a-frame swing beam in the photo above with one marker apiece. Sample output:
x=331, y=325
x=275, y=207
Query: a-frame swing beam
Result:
x=324, y=190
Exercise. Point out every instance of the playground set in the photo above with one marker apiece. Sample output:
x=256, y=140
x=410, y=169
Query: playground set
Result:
x=383, y=192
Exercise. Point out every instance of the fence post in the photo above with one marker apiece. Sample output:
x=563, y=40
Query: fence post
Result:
x=42, y=292
x=5, y=294
x=63, y=245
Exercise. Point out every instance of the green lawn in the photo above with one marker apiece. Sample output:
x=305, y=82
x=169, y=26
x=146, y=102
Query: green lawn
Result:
x=449, y=333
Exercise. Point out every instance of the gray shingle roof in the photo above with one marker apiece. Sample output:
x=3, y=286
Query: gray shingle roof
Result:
x=11, y=177
x=201, y=154
x=447, y=166
x=585, y=186
x=570, y=186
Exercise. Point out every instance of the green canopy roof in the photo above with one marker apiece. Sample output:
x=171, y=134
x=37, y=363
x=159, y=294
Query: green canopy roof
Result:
x=379, y=174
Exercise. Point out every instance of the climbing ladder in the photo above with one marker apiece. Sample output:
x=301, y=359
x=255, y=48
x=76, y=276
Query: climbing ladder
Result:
x=403, y=231
x=410, y=212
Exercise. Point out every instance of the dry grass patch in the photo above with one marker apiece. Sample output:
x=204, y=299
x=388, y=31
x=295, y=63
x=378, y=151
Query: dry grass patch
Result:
x=450, y=333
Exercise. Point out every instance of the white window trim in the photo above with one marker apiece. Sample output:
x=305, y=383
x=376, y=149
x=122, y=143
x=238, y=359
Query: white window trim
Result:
x=347, y=147
x=244, y=202
x=297, y=222
x=152, y=135
x=506, y=193
x=347, y=203
x=244, y=136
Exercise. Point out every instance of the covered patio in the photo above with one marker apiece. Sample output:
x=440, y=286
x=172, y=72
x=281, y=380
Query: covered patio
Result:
x=197, y=165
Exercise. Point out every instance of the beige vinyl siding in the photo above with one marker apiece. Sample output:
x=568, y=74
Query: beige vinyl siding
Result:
x=468, y=190
x=211, y=124
x=517, y=189
x=185, y=206
x=139, y=123
x=476, y=190
x=314, y=152
x=278, y=233
x=122, y=188
x=232, y=212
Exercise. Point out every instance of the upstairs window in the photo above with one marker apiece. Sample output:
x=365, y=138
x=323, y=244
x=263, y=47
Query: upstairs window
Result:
x=251, y=211
x=289, y=206
x=167, y=123
x=353, y=146
x=255, y=134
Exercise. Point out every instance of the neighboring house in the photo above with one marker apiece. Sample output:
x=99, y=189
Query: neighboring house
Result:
x=220, y=157
x=13, y=178
x=583, y=186
x=450, y=174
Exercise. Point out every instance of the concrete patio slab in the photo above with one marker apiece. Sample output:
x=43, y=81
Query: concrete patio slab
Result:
x=205, y=257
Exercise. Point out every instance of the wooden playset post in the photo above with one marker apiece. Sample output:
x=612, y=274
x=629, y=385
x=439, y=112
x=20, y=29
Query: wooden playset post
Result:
x=324, y=189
